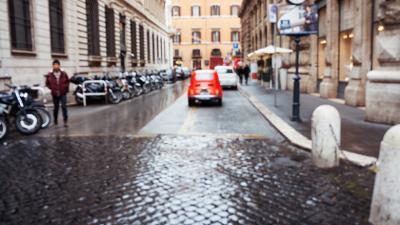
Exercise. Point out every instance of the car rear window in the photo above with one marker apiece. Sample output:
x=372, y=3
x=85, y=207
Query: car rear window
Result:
x=204, y=76
x=224, y=70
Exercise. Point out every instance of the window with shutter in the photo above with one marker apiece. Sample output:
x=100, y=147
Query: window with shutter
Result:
x=133, y=38
x=154, y=48
x=215, y=10
x=141, y=45
x=148, y=46
x=92, y=16
x=110, y=32
x=20, y=25
x=56, y=26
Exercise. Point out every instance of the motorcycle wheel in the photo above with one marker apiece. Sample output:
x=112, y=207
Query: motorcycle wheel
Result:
x=139, y=91
x=126, y=95
x=45, y=116
x=29, y=123
x=78, y=100
x=115, y=98
x=3, y=128
x=146, y=89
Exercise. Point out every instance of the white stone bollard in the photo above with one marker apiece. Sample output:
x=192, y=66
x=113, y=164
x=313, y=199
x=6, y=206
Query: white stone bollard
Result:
x=385, y=207
x=325, y=135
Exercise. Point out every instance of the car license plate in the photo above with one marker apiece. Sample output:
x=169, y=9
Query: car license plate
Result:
x=204, y=92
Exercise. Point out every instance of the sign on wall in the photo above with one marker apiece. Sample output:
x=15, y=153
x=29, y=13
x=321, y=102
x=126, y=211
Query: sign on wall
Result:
x=298, y=20
x=272, y=13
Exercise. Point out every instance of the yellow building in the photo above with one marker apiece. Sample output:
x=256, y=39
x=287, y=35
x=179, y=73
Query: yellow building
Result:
x=207, y=32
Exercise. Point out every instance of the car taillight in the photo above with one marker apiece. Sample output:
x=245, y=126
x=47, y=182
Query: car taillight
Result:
x=191, y=92
x=216, y=91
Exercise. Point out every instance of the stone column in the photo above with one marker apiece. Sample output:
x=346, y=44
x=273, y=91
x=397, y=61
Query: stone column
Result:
x=328, y=88
x=355, y=90
x=383, y=86
x=313, y=75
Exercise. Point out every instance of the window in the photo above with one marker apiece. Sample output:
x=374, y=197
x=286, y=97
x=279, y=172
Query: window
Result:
x=223, y=70
x=122, y=33
x=110, y=32
x=56, y=26
x=134, y=39
x=177, y=37
x=196, y=10
x=215, y=10
x=196, y=37
x=176, y=11
x=148, y=46
x=158, y=49
x=20, y=25
x=215, y=36
x=235, y=36
x=216, y=52
x=176, y=53
x=234, y=10
x=92, y=20
x=141, y=42
x=196, y=53
x=154, y=48
x=200, y=75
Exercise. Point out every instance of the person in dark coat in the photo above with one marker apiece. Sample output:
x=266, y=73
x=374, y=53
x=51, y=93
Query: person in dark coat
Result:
x=246, y=72
x=239, y=72
x=58, y=82
x=311, y=20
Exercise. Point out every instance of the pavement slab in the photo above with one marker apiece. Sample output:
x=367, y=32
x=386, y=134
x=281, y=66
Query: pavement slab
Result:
x=174, y=179
x=358, y=135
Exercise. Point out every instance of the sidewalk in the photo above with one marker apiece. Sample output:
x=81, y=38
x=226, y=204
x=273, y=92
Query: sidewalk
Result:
x=358, y=136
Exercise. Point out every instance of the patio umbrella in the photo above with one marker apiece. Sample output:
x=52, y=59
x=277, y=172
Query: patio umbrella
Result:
x=252, y=56
x=270, y=50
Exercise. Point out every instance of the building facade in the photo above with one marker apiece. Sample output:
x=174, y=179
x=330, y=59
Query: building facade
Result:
x=205, y=31
x=355, y=55
x=87, y=36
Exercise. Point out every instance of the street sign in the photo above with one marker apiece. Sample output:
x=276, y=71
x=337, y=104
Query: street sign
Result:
x=272, y=13
x=235, y=45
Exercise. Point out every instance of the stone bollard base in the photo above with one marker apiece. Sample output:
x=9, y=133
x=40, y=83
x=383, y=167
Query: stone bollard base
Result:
x=385, y=207
x=325, y=136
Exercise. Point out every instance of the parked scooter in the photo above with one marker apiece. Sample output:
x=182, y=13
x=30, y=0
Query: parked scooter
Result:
x=113, y=92
x=27, y=119
x=134, y=84
x=144, y=82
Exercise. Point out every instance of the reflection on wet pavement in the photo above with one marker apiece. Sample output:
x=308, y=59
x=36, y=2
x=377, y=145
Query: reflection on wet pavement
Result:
x=125, y=118
x=174, y=180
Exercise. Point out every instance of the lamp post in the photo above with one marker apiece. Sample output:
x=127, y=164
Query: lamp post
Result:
x=296, y=85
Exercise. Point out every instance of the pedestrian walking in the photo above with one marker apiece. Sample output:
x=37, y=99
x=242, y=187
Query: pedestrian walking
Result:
x=246, y=72
x=58, y=82
x=239, y=72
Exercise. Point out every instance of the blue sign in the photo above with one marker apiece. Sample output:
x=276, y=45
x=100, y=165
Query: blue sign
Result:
x=285, y=24
x=235, y=45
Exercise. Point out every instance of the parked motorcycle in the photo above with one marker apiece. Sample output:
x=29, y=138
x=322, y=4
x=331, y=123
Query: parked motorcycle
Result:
x=144, y=82
x=26, y=118
x=108, y=86
x=26, y=96
x=3, y=126
x=134, y=83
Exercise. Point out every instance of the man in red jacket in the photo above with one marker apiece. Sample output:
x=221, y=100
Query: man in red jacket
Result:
x=58, y=82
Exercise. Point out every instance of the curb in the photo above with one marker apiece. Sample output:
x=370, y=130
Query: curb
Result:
x=296, y=138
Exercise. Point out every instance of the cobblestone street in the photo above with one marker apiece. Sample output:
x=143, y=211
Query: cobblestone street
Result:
x=168, y=179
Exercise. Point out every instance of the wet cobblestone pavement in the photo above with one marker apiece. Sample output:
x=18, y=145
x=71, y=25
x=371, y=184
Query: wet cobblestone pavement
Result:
x=174, y=180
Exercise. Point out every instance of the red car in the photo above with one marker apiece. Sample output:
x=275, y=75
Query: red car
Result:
x=205, y=86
